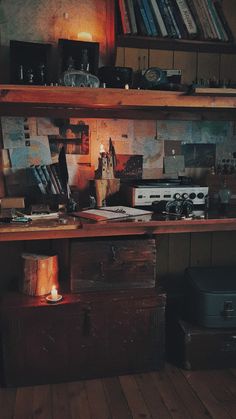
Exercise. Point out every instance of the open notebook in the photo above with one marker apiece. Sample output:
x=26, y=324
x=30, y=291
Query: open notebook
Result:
x=114, y=213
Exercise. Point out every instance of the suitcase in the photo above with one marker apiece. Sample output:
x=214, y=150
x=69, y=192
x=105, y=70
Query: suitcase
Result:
x=193, y=348
x=210, y=297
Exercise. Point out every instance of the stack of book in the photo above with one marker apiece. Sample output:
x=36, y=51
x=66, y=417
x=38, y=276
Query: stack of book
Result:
x=180, y=19
x=47, y=178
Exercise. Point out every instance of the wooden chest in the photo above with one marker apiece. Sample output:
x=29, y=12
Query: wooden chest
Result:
x=84, y=336
x=115, y=263
x=194, y=347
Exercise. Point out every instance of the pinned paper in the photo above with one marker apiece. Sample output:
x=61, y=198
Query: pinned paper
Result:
x=174, y=165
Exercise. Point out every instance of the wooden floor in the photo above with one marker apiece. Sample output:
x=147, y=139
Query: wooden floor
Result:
x=170, y=393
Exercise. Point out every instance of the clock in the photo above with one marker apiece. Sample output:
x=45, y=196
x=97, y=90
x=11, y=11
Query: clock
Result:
x=153, y=77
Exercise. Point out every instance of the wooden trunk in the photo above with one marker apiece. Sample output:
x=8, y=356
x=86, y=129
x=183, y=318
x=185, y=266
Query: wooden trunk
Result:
x=116, y=263
x=84, y=336
x=40, y=274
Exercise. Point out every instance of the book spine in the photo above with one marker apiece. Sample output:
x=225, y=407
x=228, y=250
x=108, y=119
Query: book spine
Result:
x=139, y=20
x=56, y=175
x=187, y=17
x=150, y=18
x=124, y=17
x=53, y=181
x=50, y=186
x=179, y=20
x=173, y=18
x=144, y=17
x=218, y=25
x=42, y=177
x=132, y=17
x=210, y=26
x=221, y=16
x=167, y=18
x=196, y=14
x=203, y=19
x=159, y=19
x=37, y=179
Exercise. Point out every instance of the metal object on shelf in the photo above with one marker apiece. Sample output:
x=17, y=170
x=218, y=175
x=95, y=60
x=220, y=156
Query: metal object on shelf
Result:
x=79, y=78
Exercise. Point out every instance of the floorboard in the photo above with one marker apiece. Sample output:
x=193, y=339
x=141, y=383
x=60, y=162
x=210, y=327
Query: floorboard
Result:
x=171, y=393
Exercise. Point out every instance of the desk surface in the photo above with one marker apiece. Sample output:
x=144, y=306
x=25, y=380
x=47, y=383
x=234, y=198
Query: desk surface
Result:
x=76, y=228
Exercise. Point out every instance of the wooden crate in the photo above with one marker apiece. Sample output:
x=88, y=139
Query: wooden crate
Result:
x=116, y=263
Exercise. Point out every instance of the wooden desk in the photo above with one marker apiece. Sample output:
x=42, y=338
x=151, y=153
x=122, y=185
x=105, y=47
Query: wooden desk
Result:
x=75, y=228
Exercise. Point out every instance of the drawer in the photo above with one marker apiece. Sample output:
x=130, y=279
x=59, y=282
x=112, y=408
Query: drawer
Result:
x=105, y=264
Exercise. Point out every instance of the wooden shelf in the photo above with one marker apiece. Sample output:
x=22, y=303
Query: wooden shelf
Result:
x=114, y=103
x=130, y=41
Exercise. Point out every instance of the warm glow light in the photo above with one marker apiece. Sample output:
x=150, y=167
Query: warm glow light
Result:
x=54, y=294
x=85, y=36
x=102, y=149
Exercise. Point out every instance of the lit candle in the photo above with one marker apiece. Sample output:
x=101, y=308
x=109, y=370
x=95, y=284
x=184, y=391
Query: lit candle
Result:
x=102, y=149
x=54, y=294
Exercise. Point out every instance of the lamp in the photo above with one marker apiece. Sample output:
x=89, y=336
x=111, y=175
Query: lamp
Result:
x=85, y=36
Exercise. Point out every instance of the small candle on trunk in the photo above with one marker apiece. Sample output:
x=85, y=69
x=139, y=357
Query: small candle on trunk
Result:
x=54, y=293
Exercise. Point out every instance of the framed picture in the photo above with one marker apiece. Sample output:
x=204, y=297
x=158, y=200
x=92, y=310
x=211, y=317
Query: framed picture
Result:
x=129, y=166
x=75, y=139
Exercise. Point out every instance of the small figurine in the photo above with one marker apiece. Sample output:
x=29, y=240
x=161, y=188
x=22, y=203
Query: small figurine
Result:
x=106, y=162
x=30, y=76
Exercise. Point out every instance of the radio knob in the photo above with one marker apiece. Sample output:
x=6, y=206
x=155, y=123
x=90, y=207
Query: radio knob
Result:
x=192, y=195
x=177, y=196
x=185, y=195
x=200, y=195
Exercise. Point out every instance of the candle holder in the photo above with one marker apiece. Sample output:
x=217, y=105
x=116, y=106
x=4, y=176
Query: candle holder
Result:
x=52, y=300
x=54, y=297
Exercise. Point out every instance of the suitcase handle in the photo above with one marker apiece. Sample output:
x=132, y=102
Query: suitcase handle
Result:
x=228, y=310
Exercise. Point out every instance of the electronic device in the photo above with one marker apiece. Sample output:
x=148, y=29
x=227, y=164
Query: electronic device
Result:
x=139, y=195
x=115, y=76
x=155, y=78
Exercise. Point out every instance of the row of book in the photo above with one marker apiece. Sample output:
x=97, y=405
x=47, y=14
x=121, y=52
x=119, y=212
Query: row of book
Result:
x=180, y=19
x=47, y=179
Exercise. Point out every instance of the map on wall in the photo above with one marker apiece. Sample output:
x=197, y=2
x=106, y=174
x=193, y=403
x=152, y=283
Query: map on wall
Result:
x=13, y=132
x=35, y=152
x=152, y=149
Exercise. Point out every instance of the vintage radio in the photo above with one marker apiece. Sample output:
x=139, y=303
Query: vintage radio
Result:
x=145, y=194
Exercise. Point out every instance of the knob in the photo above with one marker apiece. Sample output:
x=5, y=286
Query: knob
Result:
x=177, y=196
x=185, y=195
x=192, y=195
x=200, y=195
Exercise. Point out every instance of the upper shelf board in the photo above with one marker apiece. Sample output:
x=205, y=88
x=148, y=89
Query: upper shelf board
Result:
x=15, y=98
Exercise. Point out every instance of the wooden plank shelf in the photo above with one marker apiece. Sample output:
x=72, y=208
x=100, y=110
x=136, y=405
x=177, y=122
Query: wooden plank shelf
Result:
x=192, y=45
x=98, y=102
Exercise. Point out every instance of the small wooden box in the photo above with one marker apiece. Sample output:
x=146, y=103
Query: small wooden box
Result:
x=104, y=264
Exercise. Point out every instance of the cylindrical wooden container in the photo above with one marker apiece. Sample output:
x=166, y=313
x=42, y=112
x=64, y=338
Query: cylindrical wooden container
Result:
x=40, y=273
